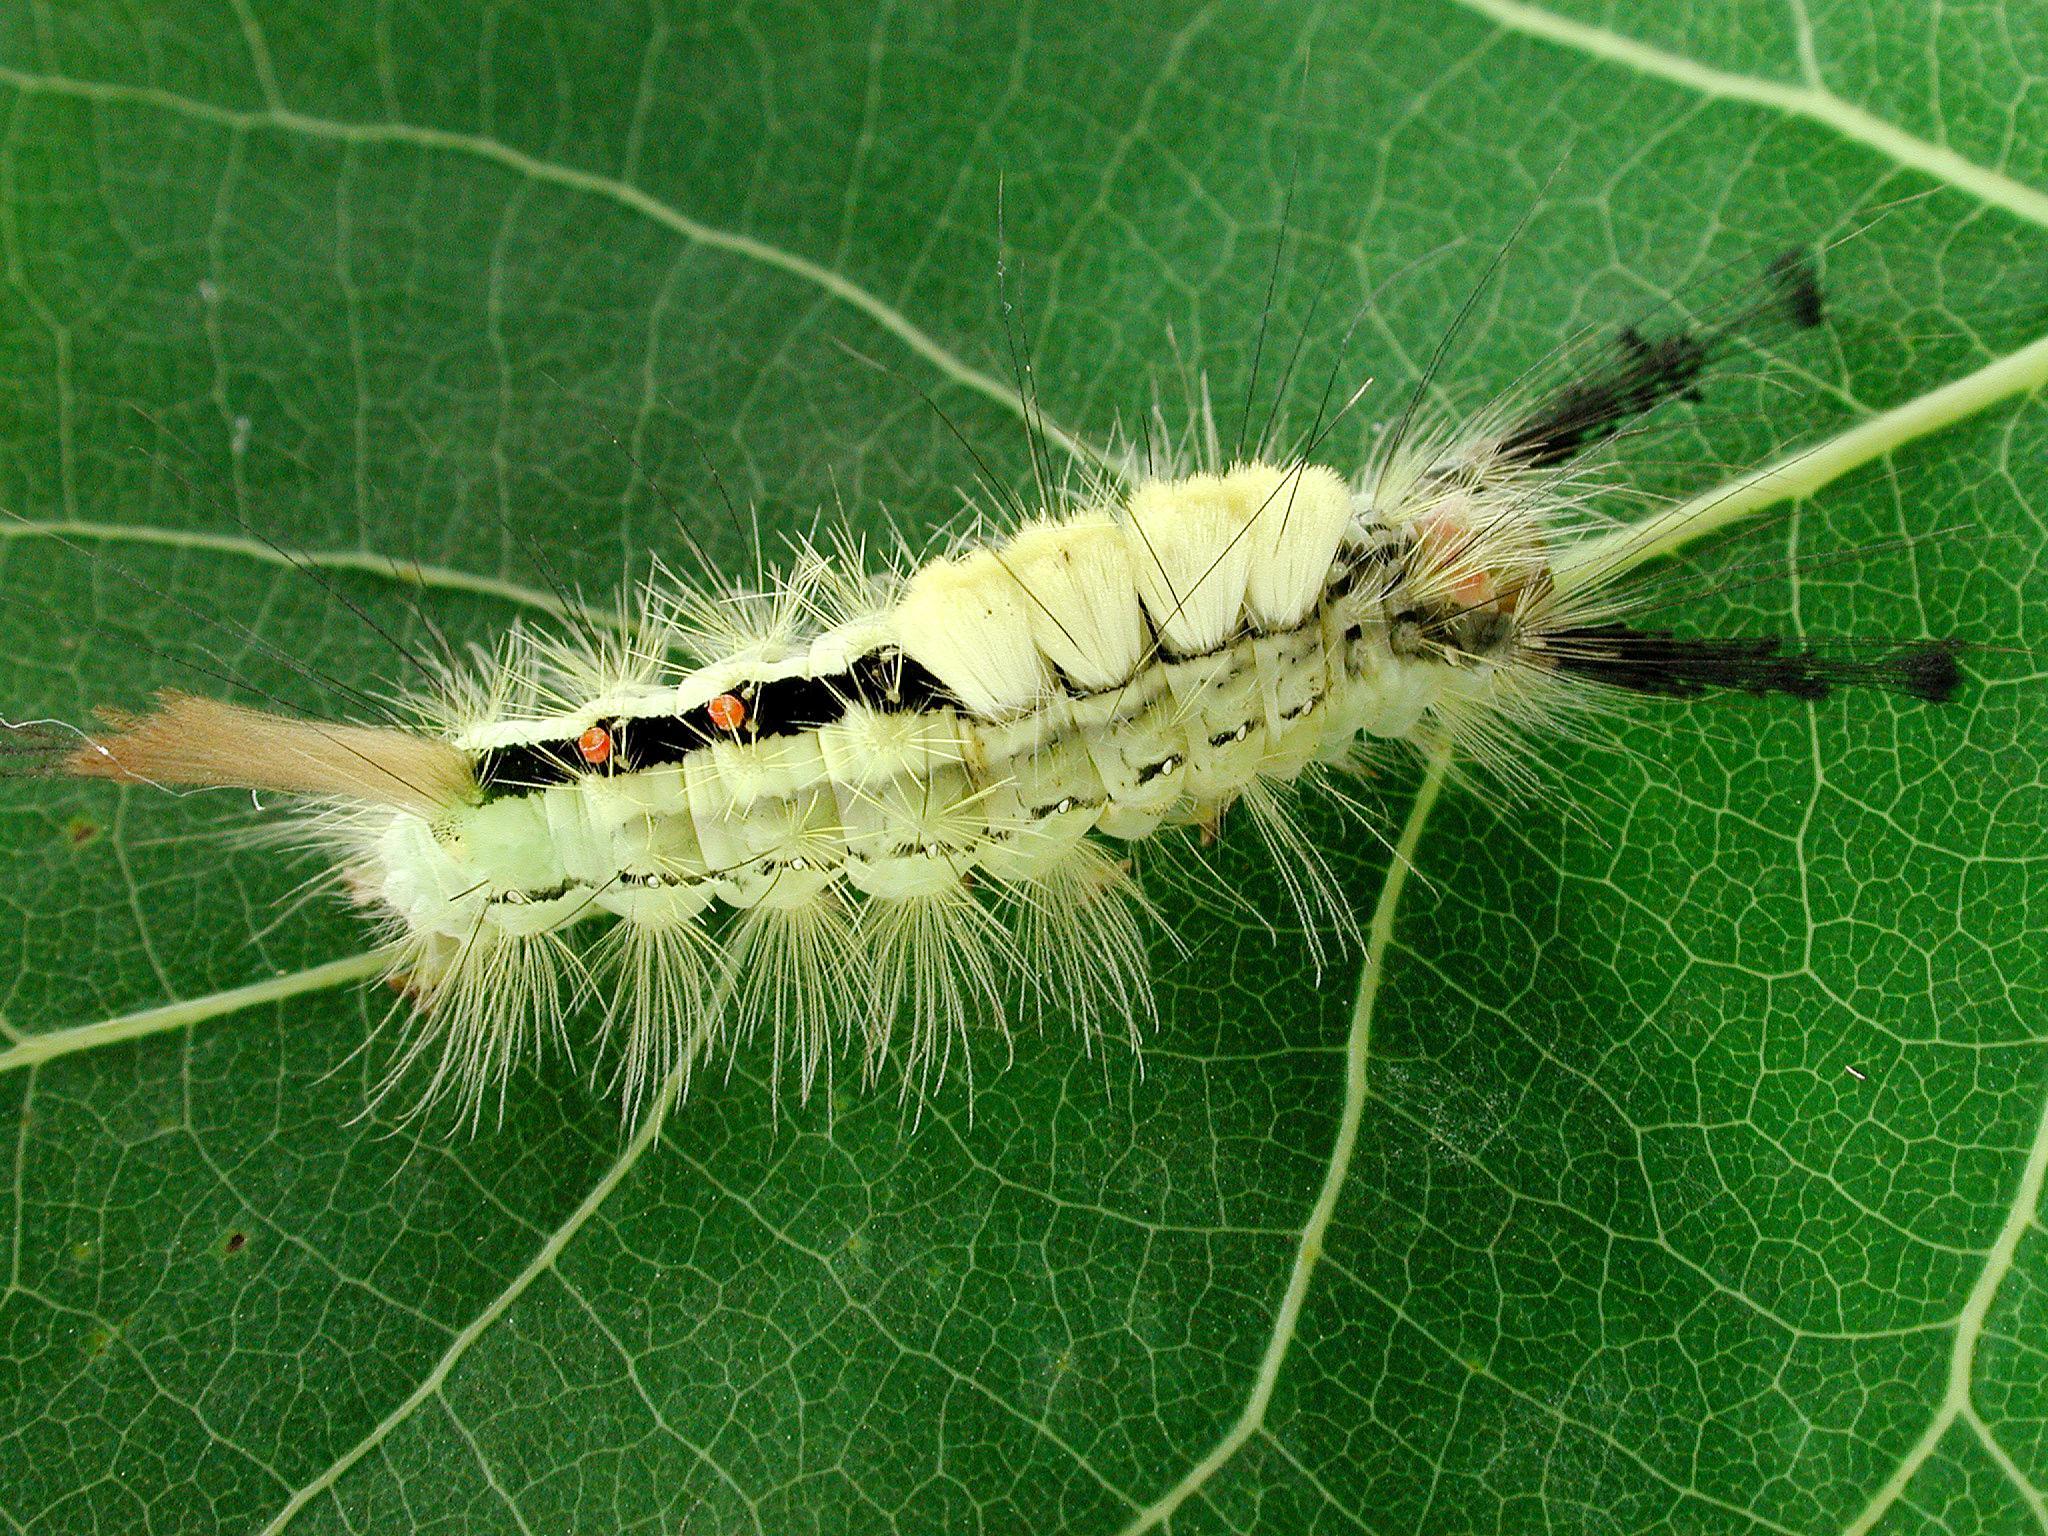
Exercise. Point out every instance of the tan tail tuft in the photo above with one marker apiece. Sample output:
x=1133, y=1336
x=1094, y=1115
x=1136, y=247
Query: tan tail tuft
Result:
x=188, y=740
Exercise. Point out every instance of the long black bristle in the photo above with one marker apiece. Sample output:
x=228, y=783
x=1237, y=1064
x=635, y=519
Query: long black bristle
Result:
x=1645, y=370
x=1665, y=665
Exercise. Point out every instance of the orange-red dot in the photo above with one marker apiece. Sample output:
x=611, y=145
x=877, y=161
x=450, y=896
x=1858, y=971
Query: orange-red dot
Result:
x=728, y=711
x=595, y=745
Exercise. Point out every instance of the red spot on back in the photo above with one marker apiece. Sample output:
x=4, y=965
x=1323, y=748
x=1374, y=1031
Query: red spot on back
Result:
x=595, y=745
x=728, y=711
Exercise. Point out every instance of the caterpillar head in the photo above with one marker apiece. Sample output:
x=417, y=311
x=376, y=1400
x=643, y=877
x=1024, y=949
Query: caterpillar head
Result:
x=1475, y=569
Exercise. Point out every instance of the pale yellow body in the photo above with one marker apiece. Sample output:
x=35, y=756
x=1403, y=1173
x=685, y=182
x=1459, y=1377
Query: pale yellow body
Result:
x=895, y=806
x=1115, y=671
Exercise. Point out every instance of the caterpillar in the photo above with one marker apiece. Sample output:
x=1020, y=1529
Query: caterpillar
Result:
x=868, y=809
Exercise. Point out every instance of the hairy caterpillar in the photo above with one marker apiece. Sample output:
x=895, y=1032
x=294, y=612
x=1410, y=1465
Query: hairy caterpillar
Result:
x=856, y=803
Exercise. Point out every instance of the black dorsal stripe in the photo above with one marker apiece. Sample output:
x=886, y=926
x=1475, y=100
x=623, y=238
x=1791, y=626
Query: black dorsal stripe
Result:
x=885, y=680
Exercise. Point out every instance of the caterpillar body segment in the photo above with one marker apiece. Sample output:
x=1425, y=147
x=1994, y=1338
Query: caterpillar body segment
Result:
x=857, y=803
x=917, y=803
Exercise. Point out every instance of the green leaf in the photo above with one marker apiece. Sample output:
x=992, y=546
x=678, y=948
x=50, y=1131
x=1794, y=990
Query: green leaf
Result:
x=1673, y=1159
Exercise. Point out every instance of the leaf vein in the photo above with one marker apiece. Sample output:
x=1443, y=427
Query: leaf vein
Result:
x=410, y=572
x=1811, y=102
x=1309, y=1252
x=941, y=358
x=1956, y=1400
x=176, y=1015
x=542, y=1262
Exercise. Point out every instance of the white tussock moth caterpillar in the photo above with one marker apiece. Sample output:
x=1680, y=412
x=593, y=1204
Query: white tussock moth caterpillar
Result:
x=865, y=807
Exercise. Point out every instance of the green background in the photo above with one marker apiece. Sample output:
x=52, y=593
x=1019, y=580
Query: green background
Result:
x=1692, y=1181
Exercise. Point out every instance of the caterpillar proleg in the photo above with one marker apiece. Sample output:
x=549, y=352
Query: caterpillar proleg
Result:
x=864, y=810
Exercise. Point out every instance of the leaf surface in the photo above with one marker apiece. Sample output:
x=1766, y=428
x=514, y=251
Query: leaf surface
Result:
x=1671, y=1159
